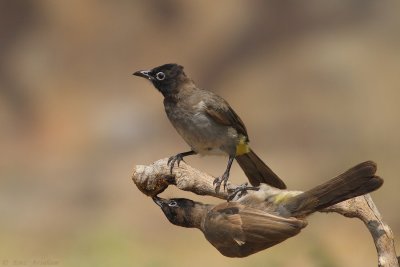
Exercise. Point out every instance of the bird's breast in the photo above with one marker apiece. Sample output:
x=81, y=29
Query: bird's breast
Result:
x=204, y=135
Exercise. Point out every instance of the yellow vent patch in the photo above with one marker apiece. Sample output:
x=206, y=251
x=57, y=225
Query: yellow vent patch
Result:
x=280, y=198
x=242, y=147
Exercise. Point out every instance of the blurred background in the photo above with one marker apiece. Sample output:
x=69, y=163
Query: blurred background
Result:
x=317, y=84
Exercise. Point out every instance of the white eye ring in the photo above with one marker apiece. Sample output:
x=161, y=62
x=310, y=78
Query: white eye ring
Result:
x=160, y=76
x=172, y=203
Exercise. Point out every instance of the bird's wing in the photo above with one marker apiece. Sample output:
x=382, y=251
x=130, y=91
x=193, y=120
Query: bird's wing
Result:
x=220, y=111
x=233, y=221
x=260, y=226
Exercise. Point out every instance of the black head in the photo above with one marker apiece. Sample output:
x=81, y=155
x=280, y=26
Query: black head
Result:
x=165, y=78
x=181, y=211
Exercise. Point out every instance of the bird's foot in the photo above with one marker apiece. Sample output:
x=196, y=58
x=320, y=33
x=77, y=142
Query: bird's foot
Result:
x=218, y=181
x=175, y=159
x=240, y=191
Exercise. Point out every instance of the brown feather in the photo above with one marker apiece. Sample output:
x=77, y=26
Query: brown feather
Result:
x=257, y=171
x=238, y=231
x=356, y=181
x=221, y=112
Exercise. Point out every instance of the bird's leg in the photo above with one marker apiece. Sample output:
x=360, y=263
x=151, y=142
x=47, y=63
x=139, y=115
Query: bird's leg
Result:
x=224, y=178
x=241, y=190
x=178, y=158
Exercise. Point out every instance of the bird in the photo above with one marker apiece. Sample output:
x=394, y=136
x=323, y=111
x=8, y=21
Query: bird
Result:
x=253, y=223
x=208, y=124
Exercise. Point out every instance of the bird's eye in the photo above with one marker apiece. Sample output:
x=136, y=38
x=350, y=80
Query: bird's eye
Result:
x=172, y=203
x=160, y=76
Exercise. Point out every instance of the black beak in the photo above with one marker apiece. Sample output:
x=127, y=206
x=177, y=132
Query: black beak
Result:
x=159, y=201
x=144, y=74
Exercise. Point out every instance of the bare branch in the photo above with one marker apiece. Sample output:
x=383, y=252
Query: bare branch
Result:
x=155, y=178
x=364, y=208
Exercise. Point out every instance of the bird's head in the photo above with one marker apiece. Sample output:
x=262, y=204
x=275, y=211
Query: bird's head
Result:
x=182, y=212
x=166, y=78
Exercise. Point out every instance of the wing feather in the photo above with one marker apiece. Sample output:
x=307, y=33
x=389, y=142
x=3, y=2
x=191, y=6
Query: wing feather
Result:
x=221, y=112
x=238, y=231
x=237, y=221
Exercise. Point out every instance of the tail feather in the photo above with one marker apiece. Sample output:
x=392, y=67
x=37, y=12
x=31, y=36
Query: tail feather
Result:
x=257, y=172
x=357, y=181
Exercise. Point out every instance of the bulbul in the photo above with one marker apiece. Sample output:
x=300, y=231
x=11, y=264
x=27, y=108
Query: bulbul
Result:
x=208, y=124
x=252, y=224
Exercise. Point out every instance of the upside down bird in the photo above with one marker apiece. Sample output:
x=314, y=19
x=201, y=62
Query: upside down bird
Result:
x=269, y=216
x=208, y=124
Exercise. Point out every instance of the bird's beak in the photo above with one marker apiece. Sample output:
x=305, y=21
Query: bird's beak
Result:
x=144, y=74
x=159, y=201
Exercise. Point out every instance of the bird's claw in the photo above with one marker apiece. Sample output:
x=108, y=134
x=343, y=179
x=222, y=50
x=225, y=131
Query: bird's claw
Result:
x=217, y=184
x=174, y=159
x=240, y=191
x=218, y=181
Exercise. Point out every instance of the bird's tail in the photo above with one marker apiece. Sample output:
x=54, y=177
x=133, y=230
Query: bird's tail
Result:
x=356, y=181
x=257, y=172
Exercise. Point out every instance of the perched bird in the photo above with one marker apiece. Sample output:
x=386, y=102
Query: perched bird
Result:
x=254, y=223
x=208, y=124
